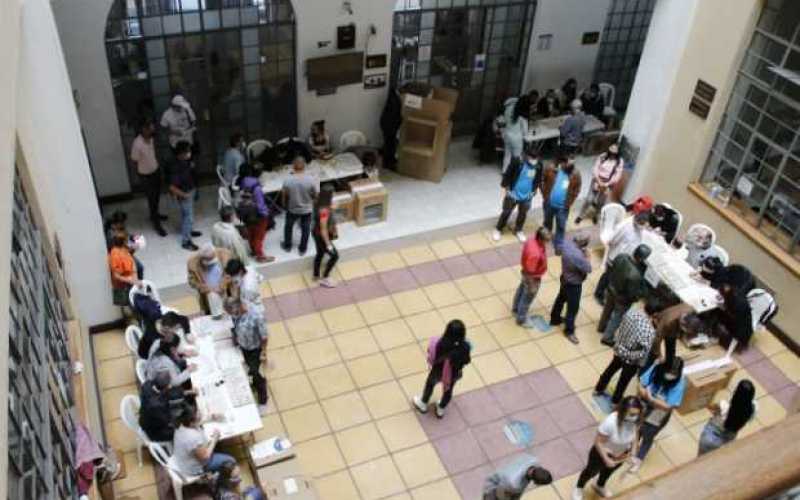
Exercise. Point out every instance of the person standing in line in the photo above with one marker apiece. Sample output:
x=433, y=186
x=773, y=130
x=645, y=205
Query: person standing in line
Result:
x=626, y=238
x=143, y=155
x=519, y=186
x=250, y=334
x=183, y=188
x=616, y=442
x=516, y=114
x=571, y=131
x=245, y=285
x=447, y=357
x=728, y=418
x=123, y=269
x=179, y=122
x=626, y=286
x=533, y=265
x=205, y=270
x=560, y=186
x=253, y=211
x=234, y=157
x=225, y=234
x=325, y=233
x=510, y=481
x=391, y=119
x=575, y=267
x=299, y=192
x=636, y=337
x=607, y=172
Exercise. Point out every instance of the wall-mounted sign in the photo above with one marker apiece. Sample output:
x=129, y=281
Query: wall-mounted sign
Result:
x=376, y=61
x=701, y=100
x=590, y=38
x=413, y=101
x=480, y=62
x=375, y=81
x=346, y=37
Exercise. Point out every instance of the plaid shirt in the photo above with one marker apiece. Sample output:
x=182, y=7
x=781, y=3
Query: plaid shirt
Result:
x=250, y=330
x=635, y=337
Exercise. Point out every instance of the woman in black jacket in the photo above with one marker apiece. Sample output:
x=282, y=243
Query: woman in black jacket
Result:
x=447, y=357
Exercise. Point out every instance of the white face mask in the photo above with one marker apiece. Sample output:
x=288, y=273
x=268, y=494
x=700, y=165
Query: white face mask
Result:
x=631, y=419
x=237, y=280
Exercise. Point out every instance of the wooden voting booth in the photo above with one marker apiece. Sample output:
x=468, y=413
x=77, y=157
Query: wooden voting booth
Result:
x=425, y=134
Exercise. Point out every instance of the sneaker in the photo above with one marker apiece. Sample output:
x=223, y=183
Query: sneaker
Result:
x=262, y=410
x=419, y=404
x=188, y=245
x=572, y=338
x=301, y=251
x=603, y=491
x=439, y=411
x=285, y=247
x=528, y=324
x=577, y=493
x=609, y=343
x=327, y=283
x=636, y=464
x=196, y=234
x=521, y=237
x=496, y=235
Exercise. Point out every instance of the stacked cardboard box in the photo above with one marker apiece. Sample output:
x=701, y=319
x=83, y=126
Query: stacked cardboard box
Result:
x=370, y=201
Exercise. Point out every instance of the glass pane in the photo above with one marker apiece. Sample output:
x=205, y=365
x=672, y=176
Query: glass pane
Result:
x=191, y=22
x=211, y=19
x=151, y=26
x=172, y=24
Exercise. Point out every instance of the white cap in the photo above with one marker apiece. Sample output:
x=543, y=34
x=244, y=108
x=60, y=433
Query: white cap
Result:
x=179, y=100
x=576, y=104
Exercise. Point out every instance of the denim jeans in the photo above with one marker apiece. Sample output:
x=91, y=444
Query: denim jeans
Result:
x=187, y=216
x=559, y=215
x=570, y=295
x=523, y=298
x=613, y=311
x=305, y=230
x=216, y=461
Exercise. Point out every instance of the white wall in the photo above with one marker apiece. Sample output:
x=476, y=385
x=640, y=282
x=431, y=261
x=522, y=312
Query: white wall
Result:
x=567, y=21
x=49, y=134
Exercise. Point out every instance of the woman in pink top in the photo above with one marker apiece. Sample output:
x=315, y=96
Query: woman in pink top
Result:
x=606, y=174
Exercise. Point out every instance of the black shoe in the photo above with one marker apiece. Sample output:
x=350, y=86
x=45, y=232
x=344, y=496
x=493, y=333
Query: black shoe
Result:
x=285, y=247
x=188, y=245
x=196, y=234
x=609, y=343
x=556, y=321
x=301, y=251
x=578, y=220
x=572, y=338
x=162, y=217
x=160, y=230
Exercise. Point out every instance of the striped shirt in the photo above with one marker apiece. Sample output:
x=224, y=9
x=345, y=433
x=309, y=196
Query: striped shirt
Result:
x=635, y=337
x=250, y=329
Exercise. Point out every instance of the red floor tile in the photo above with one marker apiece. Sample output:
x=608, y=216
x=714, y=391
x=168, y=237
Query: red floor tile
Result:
x=460, y=452
x=398, y=280
x=514, y=395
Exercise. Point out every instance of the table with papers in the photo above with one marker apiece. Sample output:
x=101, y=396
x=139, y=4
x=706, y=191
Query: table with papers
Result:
x=548, y=128
x=339, y=167
x=221, y=379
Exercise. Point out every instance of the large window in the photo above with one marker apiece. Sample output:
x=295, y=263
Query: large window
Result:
x=621, y=46
x=754, y=164
x=478, y=47
x=234, y=60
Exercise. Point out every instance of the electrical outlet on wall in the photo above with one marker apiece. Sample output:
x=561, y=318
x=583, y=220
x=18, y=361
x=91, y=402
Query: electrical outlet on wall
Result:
x=375, y=81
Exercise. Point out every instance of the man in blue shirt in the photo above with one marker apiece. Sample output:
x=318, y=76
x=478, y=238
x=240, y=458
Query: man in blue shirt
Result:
x=519, y=186
x=560, y=187
x=575, y=267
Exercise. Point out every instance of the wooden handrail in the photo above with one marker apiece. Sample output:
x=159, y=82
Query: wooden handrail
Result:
x=754, y=467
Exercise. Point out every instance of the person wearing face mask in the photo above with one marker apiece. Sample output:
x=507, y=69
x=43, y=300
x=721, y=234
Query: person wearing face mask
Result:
x=616, y=442
x=572, y=129
x=560, y=187
x=234, y=157
x=661, y=387
x=626, y=238
x=225, y=234
x=157, y=399
x=519, y=185
x=516, y=114
x=205, y=269
x=606, y=174
x=165, y=357
x=245, y=285
x=157, y=324
x=626, y=286
x=183, y=187
x=664, y=220
x=250, y=334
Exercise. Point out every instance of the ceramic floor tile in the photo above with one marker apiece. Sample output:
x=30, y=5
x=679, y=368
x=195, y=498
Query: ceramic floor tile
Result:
x=320, y=456
x=266, y=290
x=579, y=374
x=110, y=400
x=386, y=261
x=487, y=260
x=278, y=335
x=136, y=477
x=511, y=253
x=144, y=493
x=413, y=385
x=429, y=273
x=398, y=280
x=464, y=312
x=307, y=327
x=514, y=395
x=406, y=360
x=110, y=345
x=548, y=292
x=419, y=465
x=402, y=431
x=282, y=363
x=491, y=308
x=749, y=356
x=569, y=414
x=337, y=486
x=356, y=343
x=494, y=367
x=459, y=267
x=116, y=372
x=547, y=492
x=327, y=298
x=187, y=305
x=474, y=242
x=472, y=481
x=560, y=458
x=482, y=340
x=378, y=310
x=582, y=440
x=548, y=384
x=474, y=287
x=345, y=411
x=436, y=428
x=306, y=422
x=412, y=302
x=470, y=381
x=503, y=280
x=492, y=439
x=292, y=391
x=768, y=344
x=287, y=284
x=589, y=340
x=343, y=319
x=443, y=489
x=392, y=334
x=478, y=407
x=589, y=306
x=460, y=452
x=417, y=255
x=385, y=399
x=331, y=381
x=377, y=479
x=680, y=448
x=600, y=360
x=443, y=294
x=360, y=444
x=272, y=425
x=119, y=436
x=789, y=364
x=273, y=312
x=366, y=288
x=769, y=375
x=318, y=353
x=527, y=357
x=370, y=370
x=357, y=268
x=657, y=463
x=787, y=396
x=544, y=427
x=426, y=325
x=558, y=349
x=770, y=411
x=292, y=305
x=445, y=249
x=508, y=333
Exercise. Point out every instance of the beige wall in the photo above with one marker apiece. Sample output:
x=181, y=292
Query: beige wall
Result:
x=676, y=155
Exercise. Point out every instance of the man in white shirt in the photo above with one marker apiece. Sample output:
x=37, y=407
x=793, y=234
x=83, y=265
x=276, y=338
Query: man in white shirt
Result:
x=143, y=156
x=224, y=234
x=626, y=238
x=179, y=121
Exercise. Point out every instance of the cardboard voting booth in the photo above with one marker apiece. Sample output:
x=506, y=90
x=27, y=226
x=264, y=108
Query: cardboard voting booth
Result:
x=278, y=471
x=370, y=201
x=702, y=385
x=342, y=206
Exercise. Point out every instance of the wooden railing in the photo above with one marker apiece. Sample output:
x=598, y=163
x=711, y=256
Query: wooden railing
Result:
x=754, y=467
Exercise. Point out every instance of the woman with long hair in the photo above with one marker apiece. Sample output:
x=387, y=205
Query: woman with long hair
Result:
x=324, y=233
x=447, y=357
x=728, y=418
x=615, y=443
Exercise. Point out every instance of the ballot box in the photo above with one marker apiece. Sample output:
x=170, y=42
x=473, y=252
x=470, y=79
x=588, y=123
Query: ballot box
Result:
x=706, y=372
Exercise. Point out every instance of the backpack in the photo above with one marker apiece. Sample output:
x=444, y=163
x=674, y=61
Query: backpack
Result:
x=433, y=343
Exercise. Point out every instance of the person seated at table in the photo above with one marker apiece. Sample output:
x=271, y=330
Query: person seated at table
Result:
x=548, y=106
x=626, y=286
x=572, y=129
x=671, y=324
x=169, y=326
x=123, y=269
x=229, y=485
x=165, y=355
x=252, y=210
x=515, y=116
x=160, y=403
x=593, y=102
x=193, y=454
x=699, y=245
x=319, y=141
x=245, y=285
x=627, y=236
x=148, y=310
x=606, y=174
x=205, y=273
x=568, y=92
x=664, y=220
x=226, y=235
x=734, y=319
x=234, y=157
x=250, y=334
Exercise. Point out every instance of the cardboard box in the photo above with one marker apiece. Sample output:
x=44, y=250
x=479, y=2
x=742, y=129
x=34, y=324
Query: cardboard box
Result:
x=371, y=206
x=269, y=451
x=425, y=135
x=343, y=207
x=363, y=185
x=702, y=386
x=286, y=481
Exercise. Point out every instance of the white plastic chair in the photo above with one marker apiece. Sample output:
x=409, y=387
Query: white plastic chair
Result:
x=148, y=288
x=129, y=411
x=608, y=91
x=224, y=199
x=141, y=371
x=762, y=307
x=255, y=148
x=133, y=335
x=723, y=255
x=610, y=217
x=221, y=176
x=694, y=229
x=178, y=479
x=352, y=138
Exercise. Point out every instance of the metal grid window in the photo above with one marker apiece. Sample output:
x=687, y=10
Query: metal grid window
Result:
x=442, y=42
x=41, y=459
x=621, y=46
x=754, y=164
x=234, y=60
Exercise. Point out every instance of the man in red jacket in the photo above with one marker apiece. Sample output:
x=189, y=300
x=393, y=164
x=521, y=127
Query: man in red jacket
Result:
x=534, y=265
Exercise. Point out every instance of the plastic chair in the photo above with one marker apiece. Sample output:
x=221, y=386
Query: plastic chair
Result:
x=352, y=138
x=141, y=371
x=255, y=148
x=133, y=335
x=224, y=199
x=763, y=307
x=610, y=217
x=694, y=229
x=221, y=176
x=178, y=479
x=148, y=288
x=608, y=91
x=129, y=411
x=723, y=255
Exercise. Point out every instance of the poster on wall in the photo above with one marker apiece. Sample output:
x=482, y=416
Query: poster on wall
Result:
x=480, y=62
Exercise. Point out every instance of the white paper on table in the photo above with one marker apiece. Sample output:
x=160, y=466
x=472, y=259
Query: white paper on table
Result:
x=651, y=276
x=290, y=486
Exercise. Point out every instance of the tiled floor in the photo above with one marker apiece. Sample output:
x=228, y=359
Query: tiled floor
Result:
x=343, y=364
